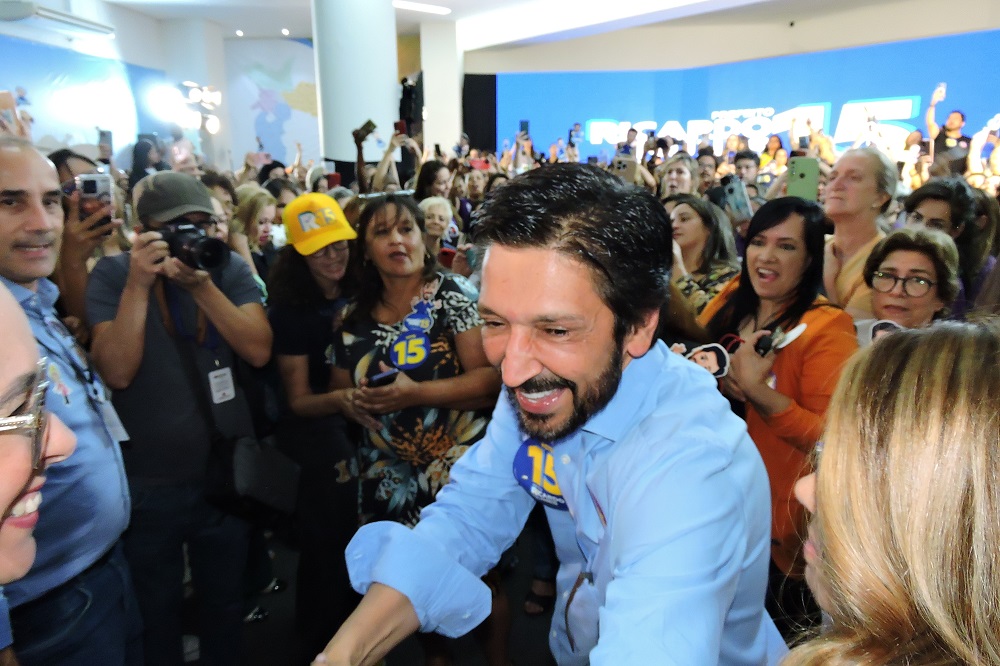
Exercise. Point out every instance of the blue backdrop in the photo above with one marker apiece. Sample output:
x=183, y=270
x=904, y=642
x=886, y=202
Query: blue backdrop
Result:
x=837, y=90
x=69, y=94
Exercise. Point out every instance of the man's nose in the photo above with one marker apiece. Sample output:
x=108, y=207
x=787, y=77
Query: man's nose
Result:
x=519, y=362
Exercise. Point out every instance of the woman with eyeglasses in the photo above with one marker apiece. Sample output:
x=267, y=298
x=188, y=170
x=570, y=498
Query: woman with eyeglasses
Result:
x=913, y=275
x=30, y=439
x=307, y=288
x=410, y=352
x=784, y=388
x=901, y=549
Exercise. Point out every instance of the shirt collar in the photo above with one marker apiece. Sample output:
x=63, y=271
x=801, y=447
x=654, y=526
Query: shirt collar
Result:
x=47, y=294
x=618, y=416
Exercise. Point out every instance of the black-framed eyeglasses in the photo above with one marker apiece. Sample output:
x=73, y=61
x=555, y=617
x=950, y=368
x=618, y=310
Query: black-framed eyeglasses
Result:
x=338, y=247
x=34, y=419
x=914, y=285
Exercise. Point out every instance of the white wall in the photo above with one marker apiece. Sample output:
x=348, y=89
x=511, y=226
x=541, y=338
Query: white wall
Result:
x=731, y=37
x=137, y=36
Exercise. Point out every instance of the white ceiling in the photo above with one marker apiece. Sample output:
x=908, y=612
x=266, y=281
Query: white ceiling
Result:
x=481, y=23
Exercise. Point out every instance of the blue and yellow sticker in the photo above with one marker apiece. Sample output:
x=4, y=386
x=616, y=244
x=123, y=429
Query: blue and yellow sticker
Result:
x=535, y=471
x=410, y=350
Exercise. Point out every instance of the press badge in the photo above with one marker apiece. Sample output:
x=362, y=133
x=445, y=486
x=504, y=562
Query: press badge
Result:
x=221, y=383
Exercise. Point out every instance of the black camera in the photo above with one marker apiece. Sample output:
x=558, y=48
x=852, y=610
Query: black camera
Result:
x=187, y=241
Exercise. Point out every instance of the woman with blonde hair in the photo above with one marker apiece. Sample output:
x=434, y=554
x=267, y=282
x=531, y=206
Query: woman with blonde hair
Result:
x=253, y=218
x=902, y=545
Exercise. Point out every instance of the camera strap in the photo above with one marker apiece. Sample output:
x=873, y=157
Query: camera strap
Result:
x=205, y=334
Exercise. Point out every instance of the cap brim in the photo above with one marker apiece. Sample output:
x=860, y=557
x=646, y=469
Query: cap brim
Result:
x=316, y=243
x=178, y=211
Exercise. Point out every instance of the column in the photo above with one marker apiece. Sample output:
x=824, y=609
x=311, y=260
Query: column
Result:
x=354, y=42
x=442, y=64
x=194, y=51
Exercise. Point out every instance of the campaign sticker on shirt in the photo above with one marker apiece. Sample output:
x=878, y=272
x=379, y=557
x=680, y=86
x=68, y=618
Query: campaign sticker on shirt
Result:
x=58, y=386
x=535, y=471
x=410, y=350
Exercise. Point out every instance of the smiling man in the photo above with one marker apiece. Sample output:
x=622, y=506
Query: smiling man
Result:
x=86, y=497
x=656, y=497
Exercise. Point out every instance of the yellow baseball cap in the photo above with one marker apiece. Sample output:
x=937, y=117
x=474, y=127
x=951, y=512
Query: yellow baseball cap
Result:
x=313, y=221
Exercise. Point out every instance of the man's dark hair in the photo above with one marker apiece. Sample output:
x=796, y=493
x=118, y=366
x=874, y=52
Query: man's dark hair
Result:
x=745, y=301
x=708, y=151
x=619, y=231
x=212, y=179
x=60, y=157
x=747, y=155
x=262, y=175
x=275, y=186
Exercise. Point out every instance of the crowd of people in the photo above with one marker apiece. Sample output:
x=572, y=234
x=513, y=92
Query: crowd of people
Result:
x=449, y=344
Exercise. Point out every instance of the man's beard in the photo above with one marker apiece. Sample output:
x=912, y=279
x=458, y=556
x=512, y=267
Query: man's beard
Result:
x=585, y=404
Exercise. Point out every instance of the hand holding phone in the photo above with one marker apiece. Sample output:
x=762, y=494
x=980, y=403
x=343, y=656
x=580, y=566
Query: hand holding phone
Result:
x=383, y=378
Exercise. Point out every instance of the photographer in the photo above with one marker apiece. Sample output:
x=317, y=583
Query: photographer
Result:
x=160, y=325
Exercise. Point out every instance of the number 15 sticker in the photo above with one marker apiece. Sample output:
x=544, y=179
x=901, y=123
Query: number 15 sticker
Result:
x=410, y=350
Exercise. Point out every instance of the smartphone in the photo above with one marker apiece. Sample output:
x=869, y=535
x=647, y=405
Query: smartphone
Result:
x=736, y=197
x=524, y=127
x=383, y=378
x=446, y=256
x=624, y=167
x=104, y=139
x=95, y=194
x=803, y=178
x=400, y=126
x=332, y=180
x=8, y=107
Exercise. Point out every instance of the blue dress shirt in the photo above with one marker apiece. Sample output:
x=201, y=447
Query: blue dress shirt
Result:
x=660, y=512
x=85, y=501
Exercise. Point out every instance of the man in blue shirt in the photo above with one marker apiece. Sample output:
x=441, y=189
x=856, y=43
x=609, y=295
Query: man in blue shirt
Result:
x=76, y=605
x=657, y=499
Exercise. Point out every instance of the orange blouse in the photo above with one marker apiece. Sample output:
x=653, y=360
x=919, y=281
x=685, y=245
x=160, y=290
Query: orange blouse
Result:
x=806, y=371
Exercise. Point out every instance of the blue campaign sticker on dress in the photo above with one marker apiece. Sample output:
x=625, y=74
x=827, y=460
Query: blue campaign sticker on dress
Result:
x=535, y=471
x=412, y=347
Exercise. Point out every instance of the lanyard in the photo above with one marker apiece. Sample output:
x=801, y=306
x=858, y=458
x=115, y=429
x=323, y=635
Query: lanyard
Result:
x=77, y=359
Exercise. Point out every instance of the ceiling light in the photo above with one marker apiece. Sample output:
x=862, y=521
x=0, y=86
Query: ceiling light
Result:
x=285, y=32
x=239, y=33
x=421, y=7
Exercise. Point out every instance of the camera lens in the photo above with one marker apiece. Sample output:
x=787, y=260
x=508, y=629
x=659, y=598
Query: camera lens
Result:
x=210, y=253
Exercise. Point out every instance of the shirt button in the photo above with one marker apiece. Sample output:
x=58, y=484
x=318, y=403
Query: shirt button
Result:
x=565, y=459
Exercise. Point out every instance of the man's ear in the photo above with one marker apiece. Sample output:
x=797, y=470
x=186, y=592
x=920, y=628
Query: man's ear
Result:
x=640, y=339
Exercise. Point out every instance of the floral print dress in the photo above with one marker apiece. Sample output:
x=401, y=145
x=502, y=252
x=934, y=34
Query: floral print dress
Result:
x=406, y=462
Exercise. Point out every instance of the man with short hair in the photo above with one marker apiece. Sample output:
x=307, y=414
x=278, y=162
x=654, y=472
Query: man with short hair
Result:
x=747, y=164
x=950, y=145
x=657, y=499
x=167, y=336
x=76, y=606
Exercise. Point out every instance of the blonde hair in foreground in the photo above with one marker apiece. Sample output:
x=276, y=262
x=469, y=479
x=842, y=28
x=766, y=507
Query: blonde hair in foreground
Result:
x=908, y=503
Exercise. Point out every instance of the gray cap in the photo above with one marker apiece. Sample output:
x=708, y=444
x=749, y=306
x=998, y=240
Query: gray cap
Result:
x=167, y=195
